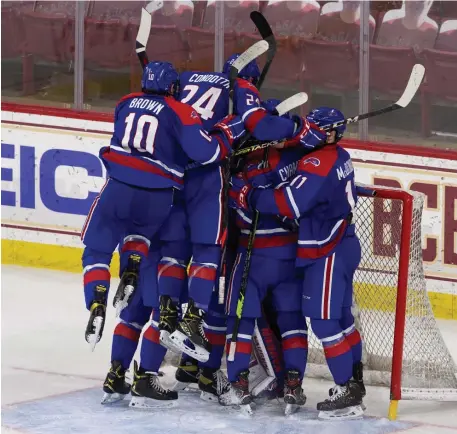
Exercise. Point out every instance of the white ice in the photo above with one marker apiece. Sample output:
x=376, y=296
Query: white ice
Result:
x=51, y=382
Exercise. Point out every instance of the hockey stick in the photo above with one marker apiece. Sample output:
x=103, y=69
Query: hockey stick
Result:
x=144, y=30
x=414, y=82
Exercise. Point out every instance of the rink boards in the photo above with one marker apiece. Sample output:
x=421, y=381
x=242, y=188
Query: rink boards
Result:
x=51, y=174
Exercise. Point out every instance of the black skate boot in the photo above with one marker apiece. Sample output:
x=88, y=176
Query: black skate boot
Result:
x=212, y=383
x=238, y=394
x=94, y=329
x=293, y=392
x=190, y=328
x=168, y=322
x=357, y=375
x=128, y=283
x=115, y=386
x=147, y=391
x=186, y=374
x=345, y=402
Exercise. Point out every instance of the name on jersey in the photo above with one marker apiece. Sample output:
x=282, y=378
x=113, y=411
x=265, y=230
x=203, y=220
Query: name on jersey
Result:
x=287, y=172
x=146, y=104
x=210, y=78
x=345, y=170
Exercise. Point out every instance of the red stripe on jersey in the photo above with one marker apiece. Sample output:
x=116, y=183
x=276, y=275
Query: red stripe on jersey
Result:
x=131, y=95
x=245, y=84
x=262, y=242
x=337, y=349
x=327, y=282
x=354, y=338
x=254, y=118
x=138, y=164
x=96, y=275
x=202, y=272
x=223, y=148
x=294, y=342
x=281, y=203
x=152, y=334
x=214, y=338
x=127, y=332
x=176, y=271
x=241, y=347
x=186, y=113
x=319, y=252
x=137, y=246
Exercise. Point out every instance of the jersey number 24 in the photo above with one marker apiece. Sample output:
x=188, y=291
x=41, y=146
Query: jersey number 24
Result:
x=205, y=104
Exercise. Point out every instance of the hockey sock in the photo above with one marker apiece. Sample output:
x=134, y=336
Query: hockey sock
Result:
x=172, y=269
x=267, y=349
x=134, y=245
x=152, y=353
x=243, y=346
x=294, y=335
x=336, y=348
x=351, y=334
x=95, y=271
x=215, y=331
x=125, y=342
x=203, y=273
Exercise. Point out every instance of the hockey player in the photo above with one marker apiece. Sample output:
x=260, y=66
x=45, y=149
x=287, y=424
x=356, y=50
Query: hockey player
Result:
x=322, y=195
x=154, y=136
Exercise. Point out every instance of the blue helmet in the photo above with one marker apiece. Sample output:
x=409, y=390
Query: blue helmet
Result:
x=250, y=71
x=159, y=77
x=322, y=116
x=270, y=106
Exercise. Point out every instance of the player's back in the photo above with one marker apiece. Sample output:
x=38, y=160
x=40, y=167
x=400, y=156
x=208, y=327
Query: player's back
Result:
x=144, y=148
x=207, y=93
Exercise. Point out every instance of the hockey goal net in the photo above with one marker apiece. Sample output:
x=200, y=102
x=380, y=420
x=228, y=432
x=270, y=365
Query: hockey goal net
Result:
x=402, y=345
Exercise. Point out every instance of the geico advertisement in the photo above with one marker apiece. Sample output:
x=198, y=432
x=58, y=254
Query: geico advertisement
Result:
x=49, y=178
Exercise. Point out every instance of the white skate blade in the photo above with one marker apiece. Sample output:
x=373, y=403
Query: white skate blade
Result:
x=355, y=412
x=180, y=386
x=112, y=398
x=291, y=409
x=178, y=338
x=95, y=337
x=142, y=402
x=209, y=397
x=166, y=342
x=124, y=301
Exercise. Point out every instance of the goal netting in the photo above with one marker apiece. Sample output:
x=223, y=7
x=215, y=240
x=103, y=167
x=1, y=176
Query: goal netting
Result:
x=402, y=345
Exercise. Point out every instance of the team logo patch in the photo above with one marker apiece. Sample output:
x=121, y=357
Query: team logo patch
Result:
x=312, y=160
x=194, y=114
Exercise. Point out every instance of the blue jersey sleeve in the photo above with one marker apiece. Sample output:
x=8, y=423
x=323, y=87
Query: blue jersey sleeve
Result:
x=197, y=143
x=261, y=124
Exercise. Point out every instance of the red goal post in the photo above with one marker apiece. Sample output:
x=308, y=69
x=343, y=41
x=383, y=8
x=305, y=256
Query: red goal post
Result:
x=402, y=345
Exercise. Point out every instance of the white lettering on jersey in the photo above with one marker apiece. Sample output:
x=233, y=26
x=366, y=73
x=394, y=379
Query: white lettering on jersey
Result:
x=345, y=170
x=151, y=105
x=210, y=78
x=286, y=172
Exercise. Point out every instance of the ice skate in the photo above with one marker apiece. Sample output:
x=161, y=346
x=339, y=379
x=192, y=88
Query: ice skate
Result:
x=96, y=323
x=357, y=376
x=190, y=328
x=212, y=383
x=147, y=391
x=293, y=392
x=128, y=283
x=238, y=394
x=168, y=322
x=345, y=402
x=115, y=386
x=186, y=375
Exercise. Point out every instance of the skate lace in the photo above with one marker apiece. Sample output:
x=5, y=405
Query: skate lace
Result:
x=222, y=383
x=337, y=392
x=154, y=381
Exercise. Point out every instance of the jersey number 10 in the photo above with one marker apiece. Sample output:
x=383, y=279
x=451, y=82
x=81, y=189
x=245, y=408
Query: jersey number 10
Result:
x=139, y=133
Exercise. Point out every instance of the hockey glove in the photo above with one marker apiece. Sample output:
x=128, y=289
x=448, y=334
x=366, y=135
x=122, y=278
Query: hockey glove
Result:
x=231, y=127
x=240, y=191
x=307, y=134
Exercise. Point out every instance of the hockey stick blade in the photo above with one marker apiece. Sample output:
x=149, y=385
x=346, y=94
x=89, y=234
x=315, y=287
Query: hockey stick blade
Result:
x=292, y=102
x=414, y=82
x=248, y=56
x=261, y=24
x=143, y=31
x=154, y=5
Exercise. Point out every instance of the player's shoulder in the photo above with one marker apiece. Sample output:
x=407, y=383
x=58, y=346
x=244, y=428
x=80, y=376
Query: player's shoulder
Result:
x=129, y=97
x=241, y=83
x=186, y=113
x=320, y=162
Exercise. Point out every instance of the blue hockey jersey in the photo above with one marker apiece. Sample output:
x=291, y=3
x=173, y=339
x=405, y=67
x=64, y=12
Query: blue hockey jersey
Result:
x=322, y=194
x=154, y=137
x=273, y=238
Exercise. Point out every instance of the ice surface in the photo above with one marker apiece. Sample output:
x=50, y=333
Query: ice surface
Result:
x=51, y=382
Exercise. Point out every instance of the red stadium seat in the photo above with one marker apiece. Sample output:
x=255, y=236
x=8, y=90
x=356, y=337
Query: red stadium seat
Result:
x=390, y=68
x=447, y=37
x=340, y=22
x=440, y=83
